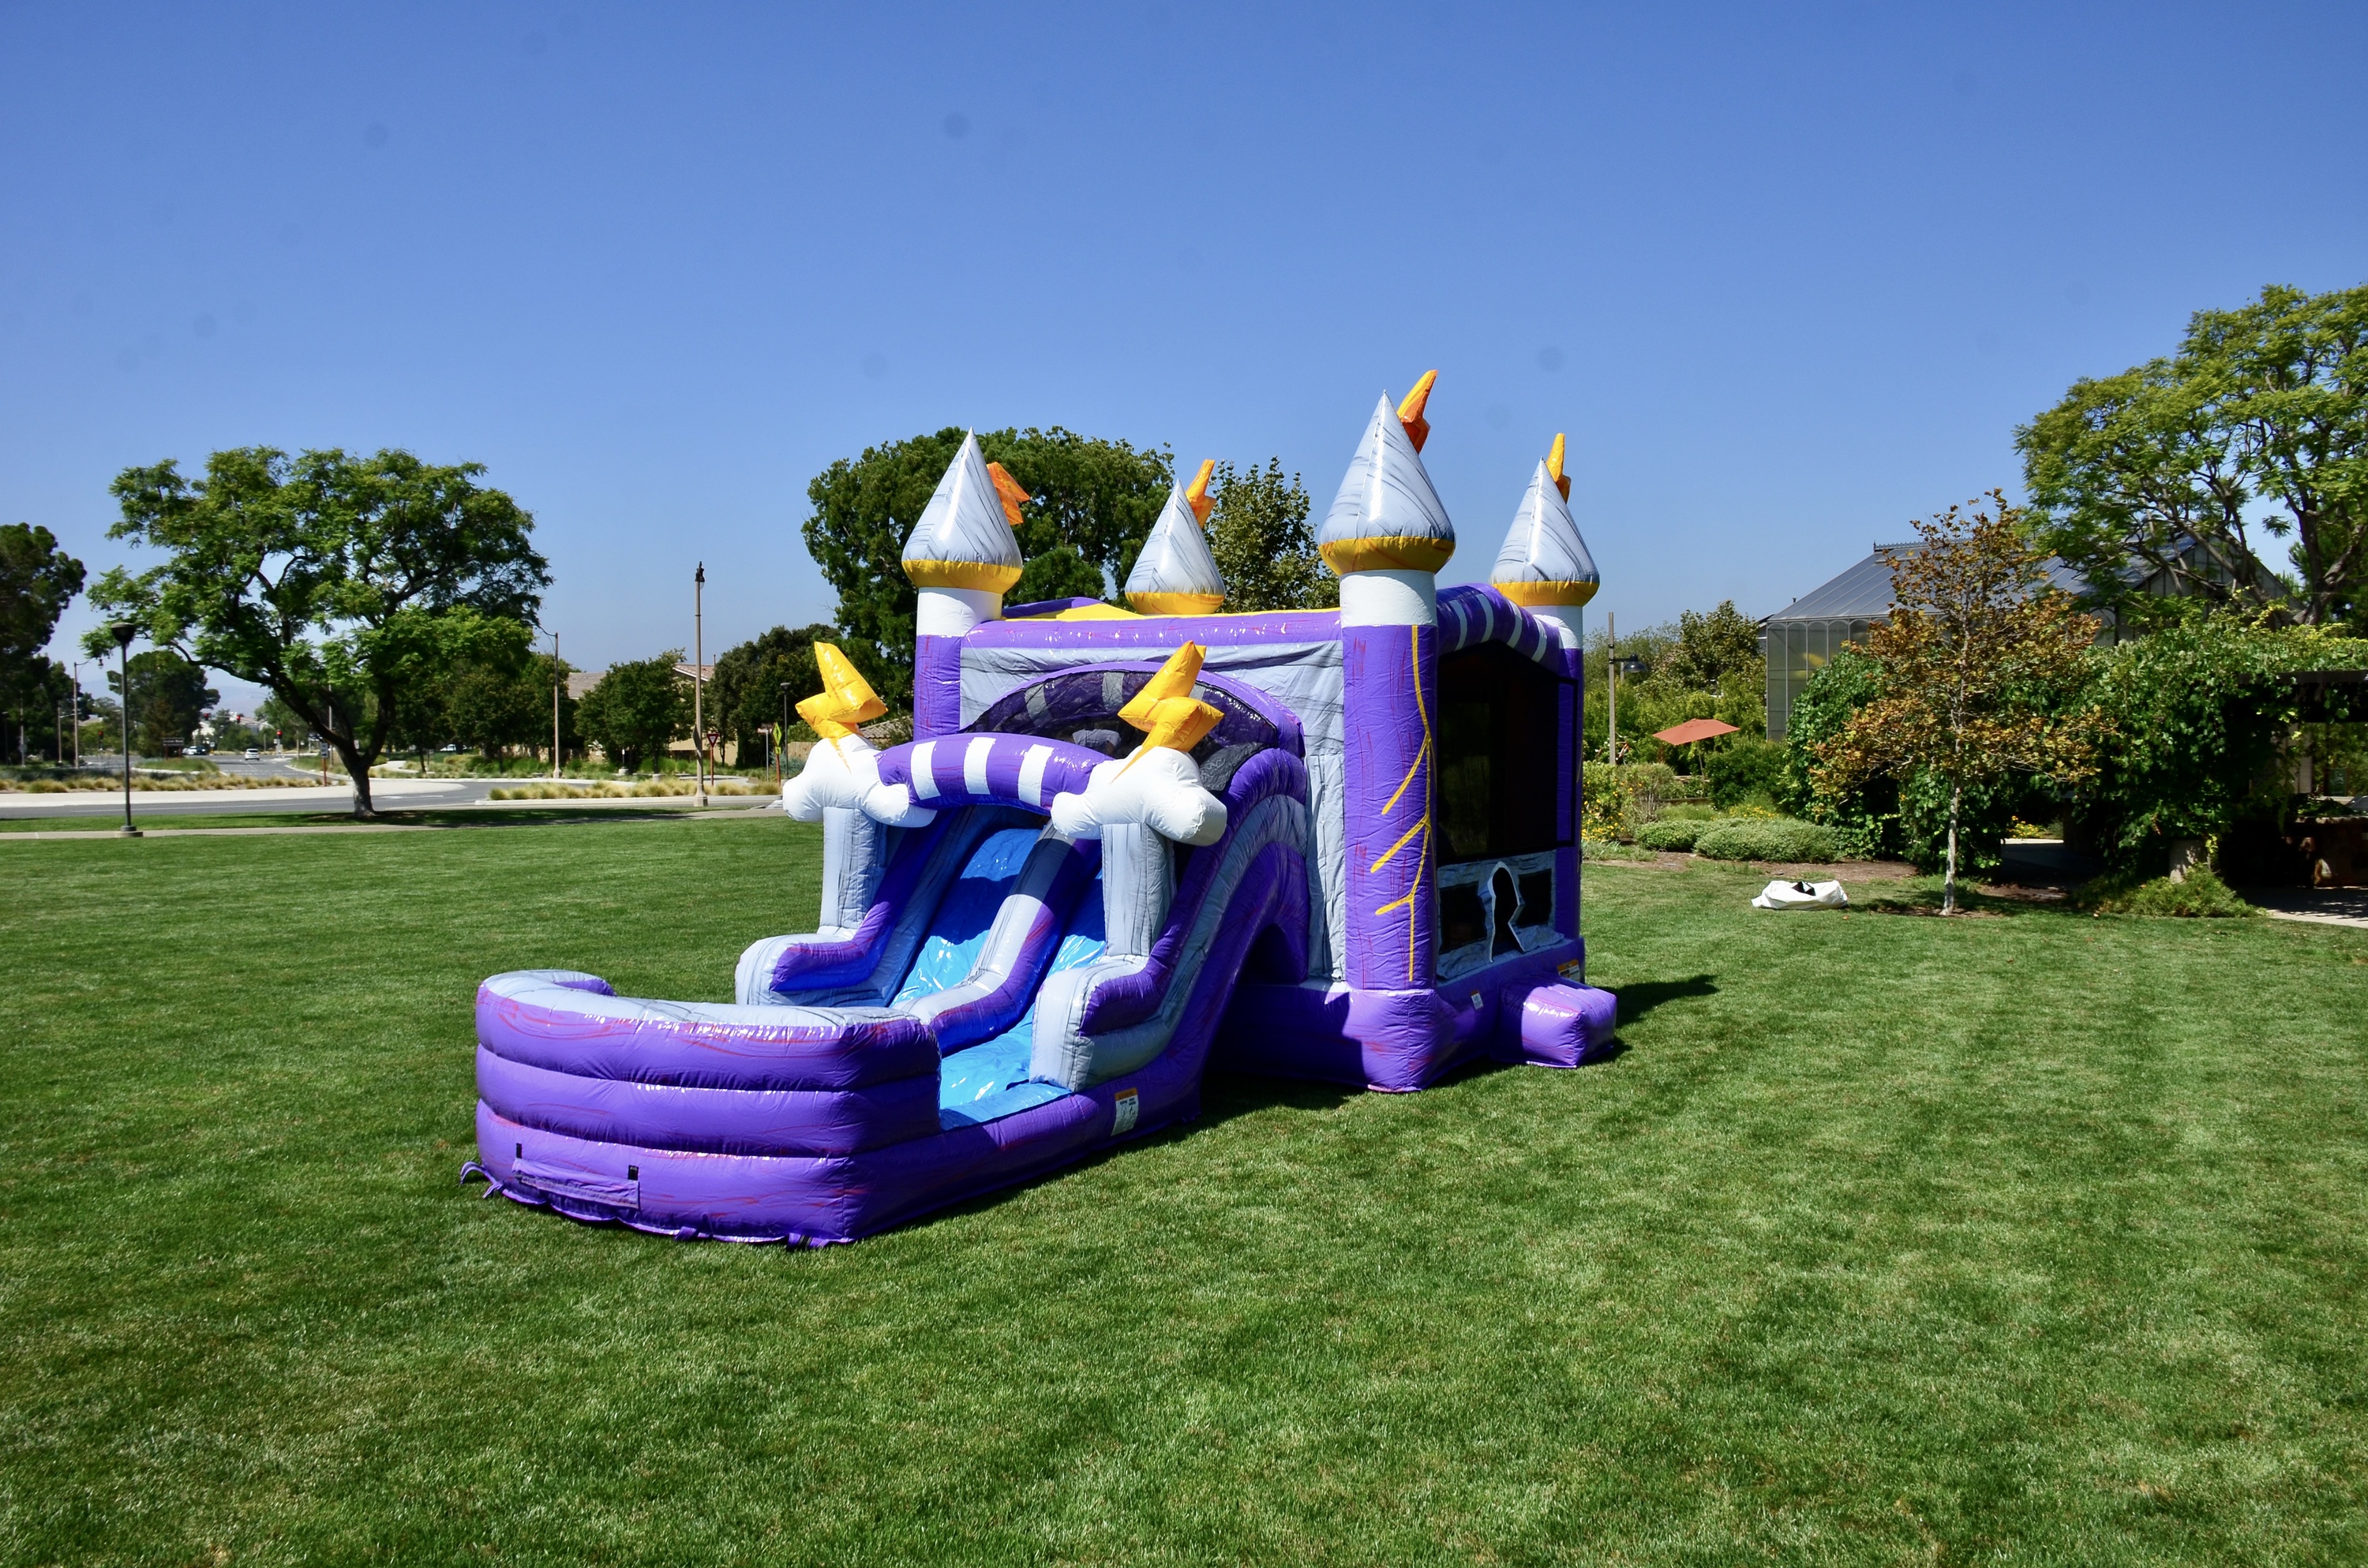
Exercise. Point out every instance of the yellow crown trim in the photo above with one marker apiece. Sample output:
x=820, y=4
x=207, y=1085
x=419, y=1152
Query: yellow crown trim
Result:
x=1176, y=604
x=1404, y=555
x=1530, y=596
x=962, y=574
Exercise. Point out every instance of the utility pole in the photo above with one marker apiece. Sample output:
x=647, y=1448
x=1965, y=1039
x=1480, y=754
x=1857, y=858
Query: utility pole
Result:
x=699, y=676
x=77, y=715
x=557, y=680
x=782, y=738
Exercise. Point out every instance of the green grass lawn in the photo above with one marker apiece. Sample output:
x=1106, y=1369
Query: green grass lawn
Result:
x=1888, y=1239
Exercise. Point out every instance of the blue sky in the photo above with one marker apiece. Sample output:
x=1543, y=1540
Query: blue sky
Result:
x=1787, y=276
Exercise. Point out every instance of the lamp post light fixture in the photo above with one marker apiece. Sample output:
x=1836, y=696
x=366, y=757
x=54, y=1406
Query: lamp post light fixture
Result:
x=123, y=633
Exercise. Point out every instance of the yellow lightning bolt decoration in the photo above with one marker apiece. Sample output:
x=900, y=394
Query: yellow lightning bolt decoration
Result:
x=846, y=700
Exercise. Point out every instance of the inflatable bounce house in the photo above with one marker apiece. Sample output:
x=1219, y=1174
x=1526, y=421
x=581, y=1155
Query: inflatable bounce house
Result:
x=1337, y=845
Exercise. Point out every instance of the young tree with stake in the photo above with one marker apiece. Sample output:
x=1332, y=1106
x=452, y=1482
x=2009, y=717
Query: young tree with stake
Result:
x=1980, y=669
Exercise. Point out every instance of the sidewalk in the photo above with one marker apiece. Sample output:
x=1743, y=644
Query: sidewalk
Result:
x=2323, y=906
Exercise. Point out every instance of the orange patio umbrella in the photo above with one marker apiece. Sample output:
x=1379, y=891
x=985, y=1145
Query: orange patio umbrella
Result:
x=1692, y=730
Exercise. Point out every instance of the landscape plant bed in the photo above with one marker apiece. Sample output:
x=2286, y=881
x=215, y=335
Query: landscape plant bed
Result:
x=2031, y=1238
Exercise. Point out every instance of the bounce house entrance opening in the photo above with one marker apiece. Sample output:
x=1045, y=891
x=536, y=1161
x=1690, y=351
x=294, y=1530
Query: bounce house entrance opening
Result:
x=1499, y=723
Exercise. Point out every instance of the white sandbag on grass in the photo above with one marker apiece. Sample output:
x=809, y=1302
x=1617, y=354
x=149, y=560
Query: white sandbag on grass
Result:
x=1802, y=895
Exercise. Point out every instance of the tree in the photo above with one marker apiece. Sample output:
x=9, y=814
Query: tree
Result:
x=746, y=695
x=2168, y=464
x=1092, y=504
x=348, y=585
x=1718, y=652
x=38, y=580
x=1263, y=543
x=169, y=695
x=637, y=708
x=1977, y=672
x=2198, y=711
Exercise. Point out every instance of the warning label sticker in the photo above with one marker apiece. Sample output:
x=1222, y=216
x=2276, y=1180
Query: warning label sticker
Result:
x=1122, y=1111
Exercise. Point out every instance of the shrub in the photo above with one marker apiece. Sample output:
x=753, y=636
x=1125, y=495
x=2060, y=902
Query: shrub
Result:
x=1778, y=838
x=1671, y=833
x=1744, y=769
x=1610, y=849
x=1619, y=798
x=2201, y=896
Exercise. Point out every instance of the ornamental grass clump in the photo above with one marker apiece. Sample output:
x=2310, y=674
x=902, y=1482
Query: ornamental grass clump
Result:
x=1773, y=839
x=2200, y=895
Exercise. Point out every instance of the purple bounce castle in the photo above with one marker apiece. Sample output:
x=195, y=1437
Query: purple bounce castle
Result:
x=1345, y=850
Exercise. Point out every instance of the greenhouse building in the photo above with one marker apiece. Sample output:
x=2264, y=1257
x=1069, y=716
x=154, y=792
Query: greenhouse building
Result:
x=1802, y=639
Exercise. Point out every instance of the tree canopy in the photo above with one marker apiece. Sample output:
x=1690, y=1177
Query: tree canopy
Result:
x=746, y=694
x=1263, y=544
x=38, y=580
x=1092, y=504
x=2192, y=467
x=636, y=709
x=349, y=585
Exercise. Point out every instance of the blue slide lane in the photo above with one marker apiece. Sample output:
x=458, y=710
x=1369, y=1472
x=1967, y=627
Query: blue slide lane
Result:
x=989, y=1080
x=967, y=913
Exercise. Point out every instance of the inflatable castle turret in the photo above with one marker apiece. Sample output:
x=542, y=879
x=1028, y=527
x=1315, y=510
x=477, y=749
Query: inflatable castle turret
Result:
x=1388, y=535
x=962, y=556
x=1545, y=569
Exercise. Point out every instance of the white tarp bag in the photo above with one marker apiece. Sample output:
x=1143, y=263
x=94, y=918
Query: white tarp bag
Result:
x=1802, y=895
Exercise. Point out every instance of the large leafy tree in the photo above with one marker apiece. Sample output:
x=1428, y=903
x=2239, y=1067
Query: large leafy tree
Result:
x=2194, y=467
x=1092, y=504
x=1263, y=544
x=38, y=580
x=637, y=708
x=349, y=585
x=1977, y=673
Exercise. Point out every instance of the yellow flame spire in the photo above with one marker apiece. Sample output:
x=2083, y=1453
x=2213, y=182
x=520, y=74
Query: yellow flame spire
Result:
x=1417, y=428
x=1553, y=468
x=1165, y=709
x=1196, y=495
x=1009, y=492
x=846, y=700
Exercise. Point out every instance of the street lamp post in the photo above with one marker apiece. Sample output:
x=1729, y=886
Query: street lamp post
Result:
x=557, y=680
x=697, y=676
x=77, y=715
x=781, y=773
x=124, y=631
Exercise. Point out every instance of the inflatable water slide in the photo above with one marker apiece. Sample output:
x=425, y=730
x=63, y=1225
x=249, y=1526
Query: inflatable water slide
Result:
x=1123, y=845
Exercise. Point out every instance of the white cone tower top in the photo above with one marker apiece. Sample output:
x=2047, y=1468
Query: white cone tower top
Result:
x=1545, y=562
x=1386, y=516
x=964, y=538
x=1174, y=574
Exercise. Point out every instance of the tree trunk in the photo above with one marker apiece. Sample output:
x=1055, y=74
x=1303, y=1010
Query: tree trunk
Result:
x=358, y=772
x=1949, y=881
